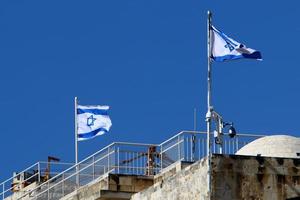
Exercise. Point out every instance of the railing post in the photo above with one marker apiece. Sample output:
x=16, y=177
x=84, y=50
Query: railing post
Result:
x=132, y=163
x=178, y=148
x=3, y=188
x=39, y=172
x=48, y=190
x=148, y=164
x=118, y=160
x=192, y=146
x=63, y=185
x=237, y=143
x=93, y=167
x=77, y=175
x=178, y=144
x=161, y=157
x=108, y=160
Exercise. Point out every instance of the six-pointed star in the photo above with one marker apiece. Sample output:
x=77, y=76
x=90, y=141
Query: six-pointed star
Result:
x=90, y=120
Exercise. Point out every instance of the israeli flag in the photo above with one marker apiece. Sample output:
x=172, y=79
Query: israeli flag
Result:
x=92, y=121
x=225, y=48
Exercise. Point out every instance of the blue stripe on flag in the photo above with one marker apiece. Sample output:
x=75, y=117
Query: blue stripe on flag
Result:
x=93, y=111
x=254, y=55
x=90, y=135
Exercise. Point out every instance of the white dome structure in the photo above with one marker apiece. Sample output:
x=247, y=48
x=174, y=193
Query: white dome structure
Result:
x=273, y=146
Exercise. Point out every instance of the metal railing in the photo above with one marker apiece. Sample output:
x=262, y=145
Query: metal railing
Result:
x=191, y=146
x=35, y=173
x=119, y=158
x=134, y=158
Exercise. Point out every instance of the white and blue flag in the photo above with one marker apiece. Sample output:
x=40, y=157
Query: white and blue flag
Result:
x=92, y=121
x=225, y=48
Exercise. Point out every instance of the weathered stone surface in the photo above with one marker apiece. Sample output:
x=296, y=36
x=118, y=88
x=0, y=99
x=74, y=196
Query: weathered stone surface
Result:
x=111, y=187
x=186, y=184
x=171, y=170
x=233, y=178
x=260, y=178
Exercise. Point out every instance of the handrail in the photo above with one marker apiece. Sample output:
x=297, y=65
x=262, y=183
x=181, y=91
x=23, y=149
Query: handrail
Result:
x=63, y=179
x=35, y=164
x=74, y=166
x=170, y=147
x=181, y=132
x=135, y=144
x=20, y=183
x=3, y=184
x=110, y=149
x=86, y=165
x=56, y=163
x=203, y=132
x=250, y=135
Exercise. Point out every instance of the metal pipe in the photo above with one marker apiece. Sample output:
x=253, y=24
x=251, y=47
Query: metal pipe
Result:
x=76, y=139
x=170, y=147
x=209, y=106
x=76, y=129
x=161, y=157
x=108, y=159
x=3, y=188
x=178, y=146
x=57, y=176
x=48, y=191
x=118, y=159
x=134, y=144
x=39, y=172
x=63, y=185
x=237, y=144
x=27, y=169
x=93, y=168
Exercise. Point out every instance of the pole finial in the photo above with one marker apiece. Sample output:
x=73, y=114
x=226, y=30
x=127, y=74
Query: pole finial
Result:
x=209, y=13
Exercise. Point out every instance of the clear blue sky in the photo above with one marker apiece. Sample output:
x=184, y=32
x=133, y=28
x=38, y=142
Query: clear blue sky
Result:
x=147, y=60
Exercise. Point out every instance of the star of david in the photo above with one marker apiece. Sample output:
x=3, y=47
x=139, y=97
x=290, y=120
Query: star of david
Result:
x=229, y=46
x=90, y=120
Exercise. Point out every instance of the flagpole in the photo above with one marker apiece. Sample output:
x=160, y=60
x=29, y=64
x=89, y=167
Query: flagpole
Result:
x=209, y=106
x=76, y=132
x=76, y=141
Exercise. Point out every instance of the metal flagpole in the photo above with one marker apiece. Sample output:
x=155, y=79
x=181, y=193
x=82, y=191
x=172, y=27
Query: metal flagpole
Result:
x=209, y=106
x=195, y=119
x=76, y=132
x=76, y=141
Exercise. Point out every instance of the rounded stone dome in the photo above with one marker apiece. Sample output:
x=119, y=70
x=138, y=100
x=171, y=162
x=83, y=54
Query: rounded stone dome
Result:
x=273, y=146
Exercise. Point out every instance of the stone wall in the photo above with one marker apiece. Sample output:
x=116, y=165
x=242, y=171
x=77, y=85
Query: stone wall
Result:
x=260, y=178
x=233, y=178
x=187, y=184
x=111, y=187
